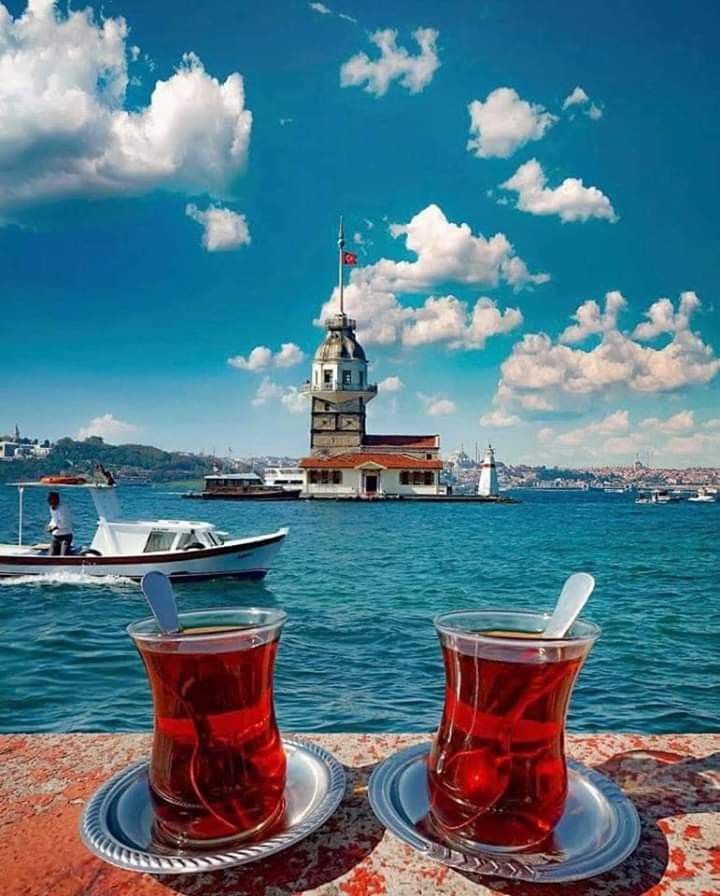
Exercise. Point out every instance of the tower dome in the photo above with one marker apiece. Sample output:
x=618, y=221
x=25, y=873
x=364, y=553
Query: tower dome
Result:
x=340, y=343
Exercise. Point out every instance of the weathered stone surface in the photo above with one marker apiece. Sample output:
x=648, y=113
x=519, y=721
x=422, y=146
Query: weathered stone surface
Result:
x=674, y=781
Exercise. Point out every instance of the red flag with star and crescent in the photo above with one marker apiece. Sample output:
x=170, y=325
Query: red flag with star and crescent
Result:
x=349, y=258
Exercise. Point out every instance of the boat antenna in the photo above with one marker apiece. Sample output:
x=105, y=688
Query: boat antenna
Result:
x=341, y=247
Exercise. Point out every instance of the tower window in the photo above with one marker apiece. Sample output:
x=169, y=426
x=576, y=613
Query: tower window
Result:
x=347, y=377
x=361, y=378
x=327, y=377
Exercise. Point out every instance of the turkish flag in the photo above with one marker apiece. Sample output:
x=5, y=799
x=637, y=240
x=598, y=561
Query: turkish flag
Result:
x=349, y=258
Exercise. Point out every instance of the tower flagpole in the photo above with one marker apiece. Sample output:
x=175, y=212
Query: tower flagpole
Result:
x=341, y=246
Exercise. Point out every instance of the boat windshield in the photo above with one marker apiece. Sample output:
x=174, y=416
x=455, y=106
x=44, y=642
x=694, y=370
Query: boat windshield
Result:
x=159, y=540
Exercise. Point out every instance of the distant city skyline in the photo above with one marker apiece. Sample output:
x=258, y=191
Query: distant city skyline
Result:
x=531, y=192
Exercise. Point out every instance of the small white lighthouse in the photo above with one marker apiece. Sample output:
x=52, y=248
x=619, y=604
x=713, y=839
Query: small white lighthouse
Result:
x=488, y=484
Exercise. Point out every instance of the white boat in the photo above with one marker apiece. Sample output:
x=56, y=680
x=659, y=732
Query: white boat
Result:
x=185, y=550
x=703, y=496
x=658, y=496
x=288, y=478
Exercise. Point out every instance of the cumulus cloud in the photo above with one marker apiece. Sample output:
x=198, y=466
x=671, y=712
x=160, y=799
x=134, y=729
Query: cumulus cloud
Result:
x=445, y=252
x=572, y=200
x=696, y=444
x=65, y=130
x=223, y=229
x=294, y=401
x=680, y=422
x=414, y=72
x=326, y=11
x=499, y=419
x=262, y=358
x=447, y=319
x=436, y=406
x=390, y=384
x=107, y=428
x=265, y=391
x=617, y=422
x=541, y=374
x=662, y=317
x=290, y=397
x=505, y=122
x=578, y=98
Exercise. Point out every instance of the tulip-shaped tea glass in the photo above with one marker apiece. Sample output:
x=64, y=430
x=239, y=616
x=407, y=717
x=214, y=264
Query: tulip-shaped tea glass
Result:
x=497, y=773
x=217, y=771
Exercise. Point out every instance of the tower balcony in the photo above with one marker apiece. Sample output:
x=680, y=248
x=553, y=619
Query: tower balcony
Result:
x=339, y=392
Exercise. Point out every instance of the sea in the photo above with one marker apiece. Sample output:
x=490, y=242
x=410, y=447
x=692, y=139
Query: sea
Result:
x=361, y=583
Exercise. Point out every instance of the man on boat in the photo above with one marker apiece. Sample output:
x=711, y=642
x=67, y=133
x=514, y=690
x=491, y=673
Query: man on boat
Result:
x=60, y=526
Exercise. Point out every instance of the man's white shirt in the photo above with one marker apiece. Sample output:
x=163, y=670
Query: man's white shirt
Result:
x=61, y=520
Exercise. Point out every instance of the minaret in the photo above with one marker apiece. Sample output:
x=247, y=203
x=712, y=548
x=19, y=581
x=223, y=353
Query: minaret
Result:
x=339, y=388
x=488, y=484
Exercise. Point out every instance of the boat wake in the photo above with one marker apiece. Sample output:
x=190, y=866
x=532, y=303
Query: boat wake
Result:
x=66, y=578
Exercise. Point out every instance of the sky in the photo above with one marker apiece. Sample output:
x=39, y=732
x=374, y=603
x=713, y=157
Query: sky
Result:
x=532, y=191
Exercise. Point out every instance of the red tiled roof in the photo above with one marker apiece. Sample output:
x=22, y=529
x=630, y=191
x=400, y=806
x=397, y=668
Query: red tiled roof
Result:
x=402, y=441
x=352, y=461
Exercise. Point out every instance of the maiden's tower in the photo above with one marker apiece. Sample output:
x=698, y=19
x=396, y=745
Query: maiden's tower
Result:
x=346, y=461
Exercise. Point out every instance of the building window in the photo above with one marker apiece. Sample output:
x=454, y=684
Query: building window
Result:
x=429, y=477
x=337, y=477
x=314, y=477
x=347, y=377
x=417, y=477
x=428, y=457
x=361, y=378
x=324, y=477
x=404, y=477
x=327, y=377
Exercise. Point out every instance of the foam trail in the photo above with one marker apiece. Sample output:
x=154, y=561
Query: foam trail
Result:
x=66, y=578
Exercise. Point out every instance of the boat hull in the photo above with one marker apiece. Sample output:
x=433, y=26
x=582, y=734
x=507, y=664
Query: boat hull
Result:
x=247, y=558
x=278, y=494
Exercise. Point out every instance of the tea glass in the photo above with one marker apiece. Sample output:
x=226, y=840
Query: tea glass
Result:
x=217, y=770
x=497, y=774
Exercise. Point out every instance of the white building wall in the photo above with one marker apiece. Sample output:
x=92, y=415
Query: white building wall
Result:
x=388, y=484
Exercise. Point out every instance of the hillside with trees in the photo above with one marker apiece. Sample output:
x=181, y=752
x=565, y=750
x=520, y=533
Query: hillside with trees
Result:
x=80, y=458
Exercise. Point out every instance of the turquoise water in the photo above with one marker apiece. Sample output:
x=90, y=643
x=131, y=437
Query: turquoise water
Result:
x=361, y=584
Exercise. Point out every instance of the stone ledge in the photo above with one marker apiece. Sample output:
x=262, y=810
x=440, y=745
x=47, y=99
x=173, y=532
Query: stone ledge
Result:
x=674, y=780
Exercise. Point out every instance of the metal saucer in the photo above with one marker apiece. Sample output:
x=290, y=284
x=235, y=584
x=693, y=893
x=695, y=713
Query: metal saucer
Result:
x=599, y=828
x=117, y=822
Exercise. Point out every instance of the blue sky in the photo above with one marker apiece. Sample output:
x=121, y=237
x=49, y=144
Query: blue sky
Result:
x=123, y=299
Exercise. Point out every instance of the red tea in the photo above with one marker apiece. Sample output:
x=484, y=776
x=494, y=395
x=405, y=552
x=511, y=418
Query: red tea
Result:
x=497, y=770
x=218, y=766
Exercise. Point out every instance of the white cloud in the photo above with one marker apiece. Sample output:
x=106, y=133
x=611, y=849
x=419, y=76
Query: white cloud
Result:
x=592, y=321
x=262, y=358
x=391, y=384
x=223, y=229
x=572, y=200
x=504, y=123
x=611, y=425
x=663, y=319
x=326, y=11
x=394, y=63
x=294, y=401
x=108, y=428
x=65, y=131
x=695, y=444
x=446, y=319
x=578, y=97
x=436, y=406
x=543, y=375
x=291, y=398
x=265, y=391
x=499, y=419
x=445, y=252
x=714, y=423
x=680, y=422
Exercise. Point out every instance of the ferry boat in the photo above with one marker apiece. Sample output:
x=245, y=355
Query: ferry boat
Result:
x=289, y=478
x=185, y=550
x=243, y=487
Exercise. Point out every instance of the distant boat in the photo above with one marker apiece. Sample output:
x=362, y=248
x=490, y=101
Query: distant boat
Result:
x=615, y=490
x=242, y=487
x=703, y=496
x=658, y=496
x=288, y=478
